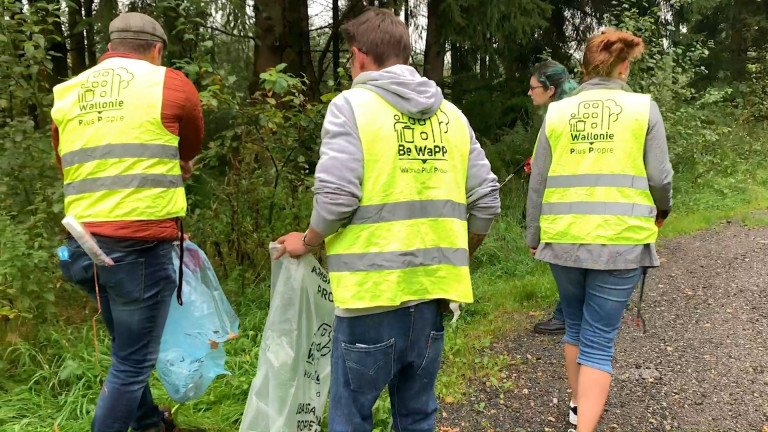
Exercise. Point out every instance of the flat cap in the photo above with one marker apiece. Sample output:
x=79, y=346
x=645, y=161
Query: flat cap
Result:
x=134, y=25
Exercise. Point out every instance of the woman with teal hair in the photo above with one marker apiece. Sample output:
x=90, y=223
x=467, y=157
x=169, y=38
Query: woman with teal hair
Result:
x=550, y=81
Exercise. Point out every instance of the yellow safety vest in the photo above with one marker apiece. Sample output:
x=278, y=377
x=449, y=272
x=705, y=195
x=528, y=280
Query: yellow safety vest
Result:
x=119, y=161
x=408, y=239
x=597, y=187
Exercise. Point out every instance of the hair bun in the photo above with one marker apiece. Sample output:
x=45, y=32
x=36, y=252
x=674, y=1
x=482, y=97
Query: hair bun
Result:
x=622, y=43
x=609, y=48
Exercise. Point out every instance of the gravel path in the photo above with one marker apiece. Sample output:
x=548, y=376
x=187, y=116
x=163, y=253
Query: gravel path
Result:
x=702, y=365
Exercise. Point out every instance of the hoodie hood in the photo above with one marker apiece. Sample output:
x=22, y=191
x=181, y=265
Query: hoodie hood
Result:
x=403, y=88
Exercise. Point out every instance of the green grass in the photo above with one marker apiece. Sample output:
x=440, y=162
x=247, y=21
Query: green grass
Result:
x=50, y=379
x=53, y=383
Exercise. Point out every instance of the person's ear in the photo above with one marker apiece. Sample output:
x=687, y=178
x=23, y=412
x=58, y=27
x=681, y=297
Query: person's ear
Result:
x=623, y=70
x=156, y=55
x=354, y=56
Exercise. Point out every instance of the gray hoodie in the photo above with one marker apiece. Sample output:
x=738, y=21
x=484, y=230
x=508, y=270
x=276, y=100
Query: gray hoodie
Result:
x=597, y=256
x=339, y=173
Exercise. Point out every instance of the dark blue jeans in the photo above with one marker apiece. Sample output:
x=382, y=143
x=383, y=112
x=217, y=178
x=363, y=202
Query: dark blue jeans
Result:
x=558, y=312
x=400, y=349
x=135, y=296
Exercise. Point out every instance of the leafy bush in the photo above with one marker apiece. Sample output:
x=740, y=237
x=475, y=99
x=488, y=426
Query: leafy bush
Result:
x=256, y=176
x=31, y=201
x=29, y=193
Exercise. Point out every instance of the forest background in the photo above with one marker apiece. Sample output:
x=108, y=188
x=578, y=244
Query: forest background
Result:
x=265, y=70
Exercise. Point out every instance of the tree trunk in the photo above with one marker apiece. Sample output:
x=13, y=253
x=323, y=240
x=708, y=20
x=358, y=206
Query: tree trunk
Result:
x=336, y=35
x=283, y=34
x=60, y=69
x=105, y=13
x=76, y=38
x=297, y=51
x=454, y=58
x=352, y=10
x=464, y=59
x=407, y=13
x=738, y=44
x=90, y=40
x=267, y=52
x=434, y=45
x=494, y=68
x=473, y=59
x=556, y=33
x=397, y=7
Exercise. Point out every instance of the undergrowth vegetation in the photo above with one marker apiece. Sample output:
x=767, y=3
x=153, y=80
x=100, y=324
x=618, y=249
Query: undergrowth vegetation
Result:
x=253, y=182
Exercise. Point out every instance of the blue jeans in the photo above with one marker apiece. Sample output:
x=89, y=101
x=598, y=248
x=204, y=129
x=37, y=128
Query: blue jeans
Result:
x=558, y=312
x=135, y=297
x=593, y=303
x=400, y=349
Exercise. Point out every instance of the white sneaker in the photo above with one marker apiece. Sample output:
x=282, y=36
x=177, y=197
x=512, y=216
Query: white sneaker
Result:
x=572, y=413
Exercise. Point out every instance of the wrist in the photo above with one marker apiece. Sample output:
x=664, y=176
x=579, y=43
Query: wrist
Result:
x=308, y=245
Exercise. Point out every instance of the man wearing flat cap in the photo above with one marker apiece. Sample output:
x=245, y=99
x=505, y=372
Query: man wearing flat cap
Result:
x=125, y=132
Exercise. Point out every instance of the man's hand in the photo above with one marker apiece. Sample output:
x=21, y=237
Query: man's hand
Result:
x=475, y=240
x=186, y=169
x=533, y=251
x=295, y=247
x=661, y=216
x=292, y=245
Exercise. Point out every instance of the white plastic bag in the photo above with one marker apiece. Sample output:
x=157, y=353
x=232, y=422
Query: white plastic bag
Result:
x=191, y=350
x=294, y=370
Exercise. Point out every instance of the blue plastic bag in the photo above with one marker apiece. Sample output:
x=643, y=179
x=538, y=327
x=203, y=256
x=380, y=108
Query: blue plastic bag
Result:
x=191, y=350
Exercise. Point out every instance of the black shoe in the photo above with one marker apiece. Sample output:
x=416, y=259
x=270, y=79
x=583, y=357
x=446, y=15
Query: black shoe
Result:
x=551, y=326
x=170, y=426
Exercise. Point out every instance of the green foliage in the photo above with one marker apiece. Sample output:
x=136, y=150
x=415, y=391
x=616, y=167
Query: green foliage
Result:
x=256, y=175
x=58, y=376
x=27, y=268
x=752, y=92
x=664, y=71
x=253, y=180
x=274, y=80
x=19, y=258
x=738, y=28
x=30, y=201
x=25, y=62
x=510, y=148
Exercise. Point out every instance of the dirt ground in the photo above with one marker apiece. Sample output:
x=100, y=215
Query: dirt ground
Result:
x=702, y=365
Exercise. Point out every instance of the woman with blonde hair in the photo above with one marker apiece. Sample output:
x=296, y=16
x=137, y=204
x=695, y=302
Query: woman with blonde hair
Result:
x=601, y=186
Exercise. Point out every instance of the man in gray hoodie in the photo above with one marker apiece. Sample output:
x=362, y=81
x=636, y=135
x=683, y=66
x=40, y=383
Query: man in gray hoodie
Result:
x=404, y=195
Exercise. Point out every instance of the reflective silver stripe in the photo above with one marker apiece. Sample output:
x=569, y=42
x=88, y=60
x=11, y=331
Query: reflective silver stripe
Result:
x=114, y=151
x=129, y=181
x=372, y=261
x=598, y=208
x=407, y=210
x=597, y=180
